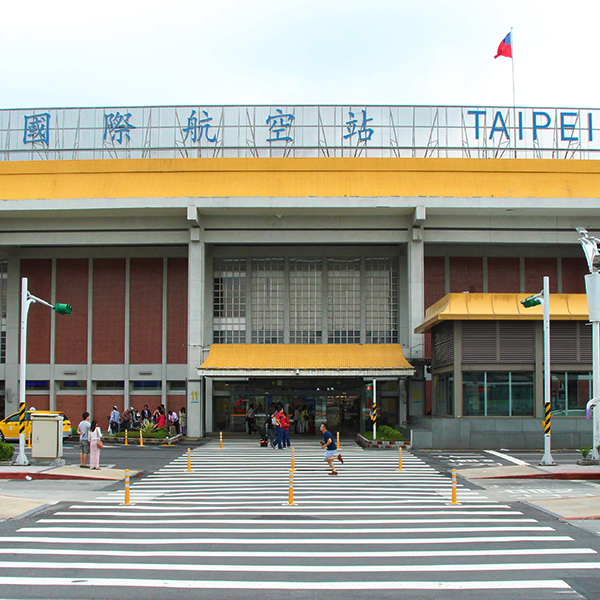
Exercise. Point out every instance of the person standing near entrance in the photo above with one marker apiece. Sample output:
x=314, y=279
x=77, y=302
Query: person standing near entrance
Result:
x=330, y=449
x=83, y=429
x=285, y=430
x=277, y=423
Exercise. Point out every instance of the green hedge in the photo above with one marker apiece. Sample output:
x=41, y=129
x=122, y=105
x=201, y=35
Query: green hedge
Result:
x=6, y=451
x=385, y=433
x=161, y=433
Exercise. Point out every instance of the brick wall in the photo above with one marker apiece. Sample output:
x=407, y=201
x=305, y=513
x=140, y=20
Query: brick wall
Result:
x=504, y=275
x=72, y=330
x=108, y=329
x=177, y=310
x=146, y=304
x=535, y=271
x=466, y=274
x=39, y=273
x=73, y=406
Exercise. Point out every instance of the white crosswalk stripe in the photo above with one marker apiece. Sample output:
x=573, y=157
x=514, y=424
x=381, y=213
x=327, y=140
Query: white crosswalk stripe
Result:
x=228, y=524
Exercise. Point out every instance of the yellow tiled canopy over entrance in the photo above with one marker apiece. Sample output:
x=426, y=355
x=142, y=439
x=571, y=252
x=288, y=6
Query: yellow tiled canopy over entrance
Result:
x=307, y=359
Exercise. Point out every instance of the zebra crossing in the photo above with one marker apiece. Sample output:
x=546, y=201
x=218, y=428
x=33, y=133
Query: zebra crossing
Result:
x=227, y=524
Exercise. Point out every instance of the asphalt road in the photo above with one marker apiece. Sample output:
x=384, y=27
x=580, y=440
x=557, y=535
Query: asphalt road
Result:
x=227, y=530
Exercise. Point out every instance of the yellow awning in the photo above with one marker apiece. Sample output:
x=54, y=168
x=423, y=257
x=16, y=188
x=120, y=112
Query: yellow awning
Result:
x=306, y=359
x=505, y=307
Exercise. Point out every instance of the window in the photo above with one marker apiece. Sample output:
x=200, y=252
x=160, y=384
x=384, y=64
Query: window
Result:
x=177, y=386
x=306, y=289
x=142, y=386
x=268, y=277
x=110, y=386
x=343, y=281
x=444, y=394
x=75, y=386
x=381, y=288
x=498, y=393
x=37, y=386
x=229, y=301
x=570, y=393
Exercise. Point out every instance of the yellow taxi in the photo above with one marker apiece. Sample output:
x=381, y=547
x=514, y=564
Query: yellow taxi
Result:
x=9, y=427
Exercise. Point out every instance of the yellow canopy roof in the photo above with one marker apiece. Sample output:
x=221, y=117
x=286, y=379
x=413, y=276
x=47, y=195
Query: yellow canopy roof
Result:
x=507, y=307
x=308, y=359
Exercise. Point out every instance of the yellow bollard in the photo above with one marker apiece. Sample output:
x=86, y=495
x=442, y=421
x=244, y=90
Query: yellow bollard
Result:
x=338, y=440
x=141, y=438
x=29, y=440
x=189, y=461
x=126, y=503
x=221, y=440
x=291, y=493
x=399, y=458
x=126, y=442
x=293, y=468
x=454, y=502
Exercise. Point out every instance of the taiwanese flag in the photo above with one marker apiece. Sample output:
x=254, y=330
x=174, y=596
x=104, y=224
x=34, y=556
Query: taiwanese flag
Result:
x=505, y=47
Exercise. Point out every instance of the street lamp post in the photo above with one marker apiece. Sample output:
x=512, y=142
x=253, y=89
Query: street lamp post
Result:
x=543, y=298
x=26, y=300
x=592, y=289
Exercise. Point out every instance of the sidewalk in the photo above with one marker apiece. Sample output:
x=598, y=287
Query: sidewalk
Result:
x=566, y=509
x=18, y=506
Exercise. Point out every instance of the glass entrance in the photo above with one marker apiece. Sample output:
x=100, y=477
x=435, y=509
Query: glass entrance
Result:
x=311, y=401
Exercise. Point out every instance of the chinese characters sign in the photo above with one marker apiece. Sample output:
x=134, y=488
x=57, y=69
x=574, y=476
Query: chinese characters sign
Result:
x=300, y=131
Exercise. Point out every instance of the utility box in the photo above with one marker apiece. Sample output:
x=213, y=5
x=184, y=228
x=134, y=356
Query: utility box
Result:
x=46, y=436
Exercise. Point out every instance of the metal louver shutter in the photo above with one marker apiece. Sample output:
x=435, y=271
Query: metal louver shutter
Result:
x=516, y=342
x=443, y=344
x=563, y=341
x=479, y=342
x=585, y=342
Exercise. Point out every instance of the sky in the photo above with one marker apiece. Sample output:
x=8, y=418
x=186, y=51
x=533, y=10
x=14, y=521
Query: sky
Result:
x=123, y=53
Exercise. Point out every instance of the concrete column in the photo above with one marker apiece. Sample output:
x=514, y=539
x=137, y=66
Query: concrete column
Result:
x=13, y=331
x=196, y=320
x=416, y=292
x=458, y=379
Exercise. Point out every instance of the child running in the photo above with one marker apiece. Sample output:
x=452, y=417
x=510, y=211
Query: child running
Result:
x=330, y=449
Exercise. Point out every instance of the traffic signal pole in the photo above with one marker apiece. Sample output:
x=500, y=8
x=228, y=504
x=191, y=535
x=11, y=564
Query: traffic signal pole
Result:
x=27, y=300
x=374, y=409
x=543, y=298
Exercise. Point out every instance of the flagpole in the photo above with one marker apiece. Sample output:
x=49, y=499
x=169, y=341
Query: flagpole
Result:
x=512, y=61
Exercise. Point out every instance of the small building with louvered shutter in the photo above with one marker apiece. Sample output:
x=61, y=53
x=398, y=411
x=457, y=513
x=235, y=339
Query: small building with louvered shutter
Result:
x=487, y=372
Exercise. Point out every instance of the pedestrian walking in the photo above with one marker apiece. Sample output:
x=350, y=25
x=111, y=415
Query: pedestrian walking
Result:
x=330, y=449
x=114, y=420
x=95, y=434
x=83, y=429
x=270, y=428
x=183, y=420
x=250, y=419
x=297, y=418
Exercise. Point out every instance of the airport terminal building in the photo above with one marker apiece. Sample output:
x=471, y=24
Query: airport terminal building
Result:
x=222, y=256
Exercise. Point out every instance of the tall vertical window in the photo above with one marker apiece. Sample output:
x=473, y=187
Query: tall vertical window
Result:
x=306, y=291
x=229, y=301
x=268, y=277
x=343, y=282
x=498, y=393
x=3, y=271
x=381, y=301
x=570, y=393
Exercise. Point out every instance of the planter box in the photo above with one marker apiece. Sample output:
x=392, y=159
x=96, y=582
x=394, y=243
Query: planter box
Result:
x=380, y=445
x=134, y=440
x=587, y=462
